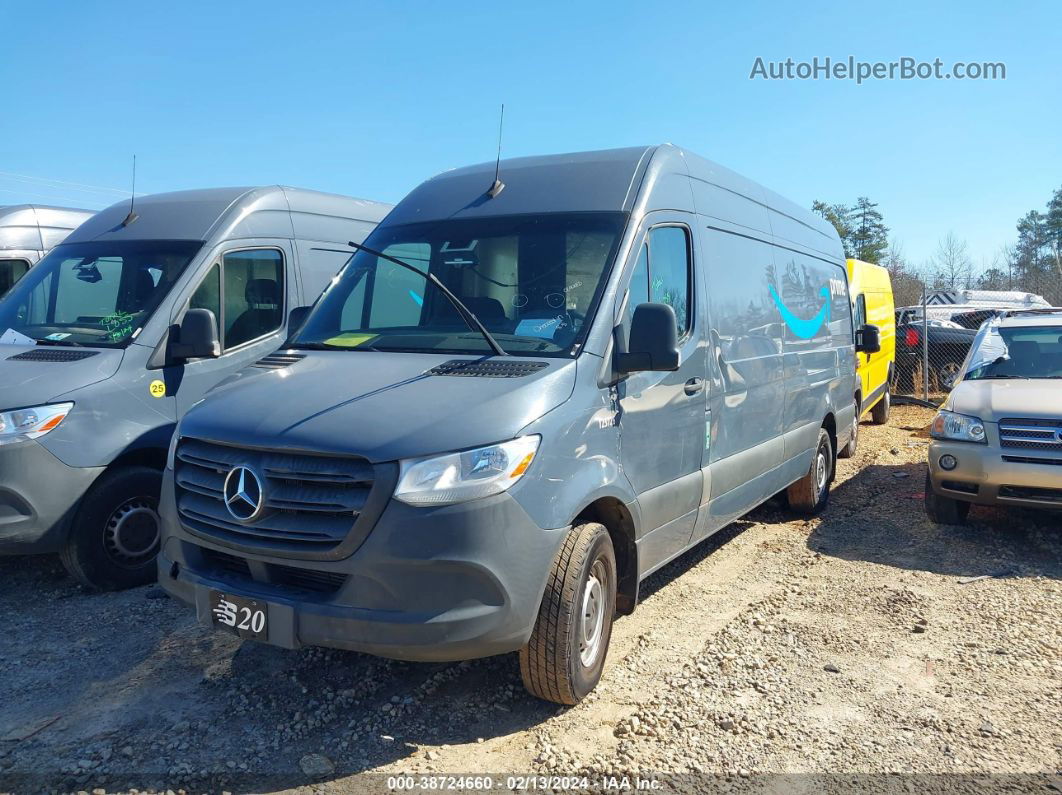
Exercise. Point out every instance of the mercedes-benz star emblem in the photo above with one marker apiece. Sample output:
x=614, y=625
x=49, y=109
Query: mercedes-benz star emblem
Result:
x=243, y=494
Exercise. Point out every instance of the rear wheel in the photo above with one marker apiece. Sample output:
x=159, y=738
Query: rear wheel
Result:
x=115, y=535
x=849, y=449
x=879, y=415
x=944, y=510
x=810, y=494
x=948, y=375
x=565, y=655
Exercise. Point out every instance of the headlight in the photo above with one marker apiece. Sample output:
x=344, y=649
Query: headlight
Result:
x=21, y=424
x=456, y=477
x=957, y=427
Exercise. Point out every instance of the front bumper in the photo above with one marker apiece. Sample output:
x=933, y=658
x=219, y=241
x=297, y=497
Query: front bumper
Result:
x=983, y=477
x=450, y=583
x=39, y=495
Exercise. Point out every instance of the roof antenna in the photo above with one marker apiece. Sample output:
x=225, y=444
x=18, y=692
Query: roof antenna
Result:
x=132, y=198
x=498, y=185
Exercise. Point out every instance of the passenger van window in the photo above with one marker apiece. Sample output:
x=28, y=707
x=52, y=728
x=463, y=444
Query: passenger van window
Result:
x=253, y=295
x=91, y=290
x=208, y=294
x=11, y=270
x=669, y=271
x=861, y=311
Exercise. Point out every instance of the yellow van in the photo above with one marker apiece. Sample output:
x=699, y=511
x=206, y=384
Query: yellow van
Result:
x=871, y=291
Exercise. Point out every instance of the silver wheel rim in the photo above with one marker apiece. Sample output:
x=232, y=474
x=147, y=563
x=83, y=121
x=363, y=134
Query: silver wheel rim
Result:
x=821, y=468
x=592, y=615
x=131, y=535
x=947, y=375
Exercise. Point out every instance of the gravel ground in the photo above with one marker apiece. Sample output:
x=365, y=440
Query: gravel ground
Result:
x=852, y=644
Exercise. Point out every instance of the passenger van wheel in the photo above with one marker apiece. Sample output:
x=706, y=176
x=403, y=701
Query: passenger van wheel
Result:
x=115, y=535
x=810, y=494
x=944, y=510
x=562, y=661
x=880, y=413
x=849, y=449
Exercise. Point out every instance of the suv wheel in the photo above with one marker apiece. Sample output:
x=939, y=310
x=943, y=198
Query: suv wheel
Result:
x=948, y=375
x=810, y=494
x=944, y=510
x=115, y=535
x=565, y=655
x=879, y=415
x=849, y=449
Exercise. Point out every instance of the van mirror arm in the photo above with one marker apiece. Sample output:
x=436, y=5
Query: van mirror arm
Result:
x=467, y=315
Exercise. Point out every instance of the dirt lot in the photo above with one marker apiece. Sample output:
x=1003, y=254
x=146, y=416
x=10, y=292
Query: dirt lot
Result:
x=849, y=644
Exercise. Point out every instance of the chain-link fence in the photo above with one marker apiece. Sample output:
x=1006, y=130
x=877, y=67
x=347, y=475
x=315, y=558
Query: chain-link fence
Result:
x=934, y=333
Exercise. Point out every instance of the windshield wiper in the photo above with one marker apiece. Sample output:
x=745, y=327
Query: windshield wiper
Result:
x=62, y=343
x=466, y=314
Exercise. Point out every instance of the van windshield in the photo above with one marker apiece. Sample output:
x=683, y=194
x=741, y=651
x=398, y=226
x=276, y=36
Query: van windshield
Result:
x=94, y=293
x=533, y=281
x=1015, y=352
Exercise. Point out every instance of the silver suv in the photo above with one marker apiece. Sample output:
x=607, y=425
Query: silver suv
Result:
x=997, y=439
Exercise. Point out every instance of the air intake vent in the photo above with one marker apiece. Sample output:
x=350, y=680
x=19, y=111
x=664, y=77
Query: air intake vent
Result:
x=51, y=355
x=278, y=361
x=487, y=368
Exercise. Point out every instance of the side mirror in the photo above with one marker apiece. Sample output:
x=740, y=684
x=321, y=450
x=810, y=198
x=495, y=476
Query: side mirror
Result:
x=198, y=337
x=296, y=317
x=868, y=339
x=653, y=344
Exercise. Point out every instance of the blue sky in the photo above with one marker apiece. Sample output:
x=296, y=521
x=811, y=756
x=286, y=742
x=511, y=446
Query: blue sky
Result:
x=369, y=99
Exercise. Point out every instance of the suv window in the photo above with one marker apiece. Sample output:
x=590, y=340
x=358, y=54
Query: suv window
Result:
x=245, y=291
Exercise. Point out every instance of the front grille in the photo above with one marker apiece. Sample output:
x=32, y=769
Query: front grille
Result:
x=51, y=355
x=311, y=502
x=235, y=570
x=1025, y=459
x=1031, y=434
x=1031, y=493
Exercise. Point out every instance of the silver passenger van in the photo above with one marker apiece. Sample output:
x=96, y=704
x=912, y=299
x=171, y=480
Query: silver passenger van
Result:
x=517, y=400
x=110, y=338
x=27, y=232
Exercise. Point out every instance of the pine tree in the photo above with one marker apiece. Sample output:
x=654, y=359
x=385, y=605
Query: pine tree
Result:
x=870, y=236
x=840, y=216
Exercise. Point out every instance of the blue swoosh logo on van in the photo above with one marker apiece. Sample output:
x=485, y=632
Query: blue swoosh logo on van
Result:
x=805, y=329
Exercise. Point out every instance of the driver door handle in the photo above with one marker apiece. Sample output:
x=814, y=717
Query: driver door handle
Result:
x=693, y=386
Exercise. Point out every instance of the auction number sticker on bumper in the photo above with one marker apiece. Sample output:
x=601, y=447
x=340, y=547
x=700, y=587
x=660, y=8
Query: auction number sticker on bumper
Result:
x=246, y=617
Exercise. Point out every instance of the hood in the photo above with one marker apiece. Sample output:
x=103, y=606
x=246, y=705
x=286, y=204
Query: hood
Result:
x=383, y=406
x=31, y=375
x=996, y=399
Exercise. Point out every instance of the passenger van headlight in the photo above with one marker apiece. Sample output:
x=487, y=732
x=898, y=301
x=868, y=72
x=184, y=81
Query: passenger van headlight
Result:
x=470, y=475
x=957, y=427
x=32, y=423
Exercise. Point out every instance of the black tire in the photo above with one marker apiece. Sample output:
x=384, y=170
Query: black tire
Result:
x=115, y=535
x=849, y=449
x=947, y=374
x=879, y=415
x=810, y=494
x=557, y=664
x=945, y=510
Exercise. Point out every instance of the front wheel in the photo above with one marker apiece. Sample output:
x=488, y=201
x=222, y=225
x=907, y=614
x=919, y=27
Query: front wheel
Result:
x=944, y=510
x=810, y=494
x=563, y=660
x=879, y=415
x=115, y=535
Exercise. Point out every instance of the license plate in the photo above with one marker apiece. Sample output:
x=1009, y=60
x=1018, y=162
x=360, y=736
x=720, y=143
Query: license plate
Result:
x=246, y=617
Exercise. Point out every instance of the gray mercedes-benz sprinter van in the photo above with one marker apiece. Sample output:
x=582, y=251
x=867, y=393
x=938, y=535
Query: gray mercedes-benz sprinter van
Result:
x=122, y=327
x=27, y=232
x=614, y=354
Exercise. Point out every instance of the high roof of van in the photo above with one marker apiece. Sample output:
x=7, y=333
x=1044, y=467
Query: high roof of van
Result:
x=37, y=227
x=615, y=180
x=225, y=213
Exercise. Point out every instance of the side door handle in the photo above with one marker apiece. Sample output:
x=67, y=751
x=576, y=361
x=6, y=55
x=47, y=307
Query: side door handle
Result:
x=693, y=386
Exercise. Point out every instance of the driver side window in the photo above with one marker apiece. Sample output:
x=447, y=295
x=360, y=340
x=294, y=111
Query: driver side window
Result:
x=245, y=291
